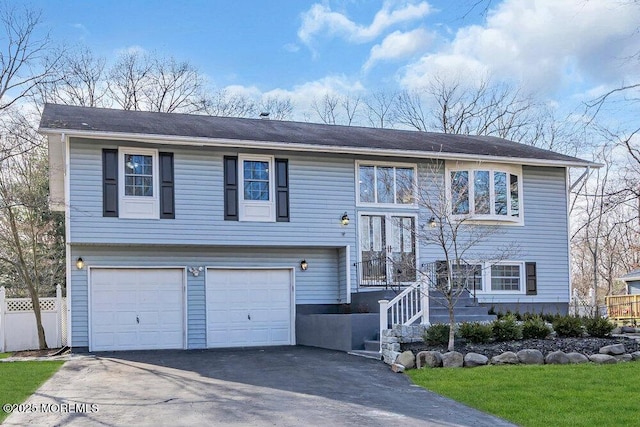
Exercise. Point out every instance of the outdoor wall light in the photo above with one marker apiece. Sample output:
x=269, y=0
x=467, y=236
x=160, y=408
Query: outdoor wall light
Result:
x=304, y=265
x=345, y=219
x=80, y=263
x=195, y=271
x=432, y=222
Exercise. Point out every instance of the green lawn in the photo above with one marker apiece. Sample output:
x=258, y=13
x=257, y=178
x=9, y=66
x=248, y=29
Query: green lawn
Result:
x=544, y=395
x=4, y=355
x=18, y=380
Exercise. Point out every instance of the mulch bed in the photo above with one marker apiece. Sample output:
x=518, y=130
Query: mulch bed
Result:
x=585, y=346
x=39, y=353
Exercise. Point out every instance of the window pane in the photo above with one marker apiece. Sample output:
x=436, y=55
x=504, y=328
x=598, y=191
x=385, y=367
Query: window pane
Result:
x=481, y=192
x=515, y=201
x=404, y=185
x=460, y=192
x=500, y=190
x=367, y=178
x=256, y=180
x=384, y=176
x=138, y=175
x=505, y=277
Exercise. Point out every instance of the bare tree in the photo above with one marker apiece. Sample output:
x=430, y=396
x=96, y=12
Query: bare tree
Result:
x=78, y=79
x=225, y=104
x=410, y=110
x=379, y=109
x=23, y=54
x=31, y=237
x=128, y=79
x=173, y=86
x=279, y=108
x=448, y=225
x=326, y=108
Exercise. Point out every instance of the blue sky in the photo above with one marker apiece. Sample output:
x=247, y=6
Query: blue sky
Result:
x=565, y=51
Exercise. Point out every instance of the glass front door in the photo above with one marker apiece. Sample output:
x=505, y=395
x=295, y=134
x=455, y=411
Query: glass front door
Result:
x=387, y=248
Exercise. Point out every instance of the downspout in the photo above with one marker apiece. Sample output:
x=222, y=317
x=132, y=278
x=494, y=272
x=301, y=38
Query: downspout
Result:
x=67, y=233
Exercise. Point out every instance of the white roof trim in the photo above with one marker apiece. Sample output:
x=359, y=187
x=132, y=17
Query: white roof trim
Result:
x=246, y=144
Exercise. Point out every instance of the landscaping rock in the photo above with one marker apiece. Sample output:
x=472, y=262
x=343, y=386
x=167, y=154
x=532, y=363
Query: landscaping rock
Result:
x=612, y=350
x=603, y=359
x=530, y=357
x=506, y=358
x=452, y=359
x=398, y=368
x=407, y=359
x=556, y=358
x=390, y=357
x=577, y=358
x=624, y=357
x=474, y=359
x=430, y=359
x=627, y=330
x=635, y=355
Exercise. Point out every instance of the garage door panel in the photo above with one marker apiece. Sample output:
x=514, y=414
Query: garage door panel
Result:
x=248, y=307
x=137, y=309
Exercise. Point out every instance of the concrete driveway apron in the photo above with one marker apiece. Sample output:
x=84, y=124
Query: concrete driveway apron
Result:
x=280, y=386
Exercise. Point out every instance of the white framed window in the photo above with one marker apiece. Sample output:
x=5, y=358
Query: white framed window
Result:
x=503, y=277
x=138, y=192
x=484, y=191
x=256, y=195
x=386, y=184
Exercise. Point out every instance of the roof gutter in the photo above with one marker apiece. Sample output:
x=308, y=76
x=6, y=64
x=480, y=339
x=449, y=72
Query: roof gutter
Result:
x=238, y=143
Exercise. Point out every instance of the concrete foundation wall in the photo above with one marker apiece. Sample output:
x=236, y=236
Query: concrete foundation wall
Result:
x=344, y=332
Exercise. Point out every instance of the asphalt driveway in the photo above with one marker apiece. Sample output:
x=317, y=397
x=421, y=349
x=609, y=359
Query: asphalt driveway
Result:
x=284, y=386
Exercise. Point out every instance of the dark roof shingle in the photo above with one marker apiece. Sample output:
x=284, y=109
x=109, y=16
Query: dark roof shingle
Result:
x=72, y=119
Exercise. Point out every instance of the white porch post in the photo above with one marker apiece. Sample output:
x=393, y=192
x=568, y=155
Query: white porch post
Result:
x=384, y=307
x=424, y=302
x=2, y=317
x=58, y=316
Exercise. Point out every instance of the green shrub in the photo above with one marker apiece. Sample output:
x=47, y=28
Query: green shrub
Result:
x=567, y=326
x=437, y=334
x=506, y=329
x=477, y=333
x=598, y=326
x=535, y=327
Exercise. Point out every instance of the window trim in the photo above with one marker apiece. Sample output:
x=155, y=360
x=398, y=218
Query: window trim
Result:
x=124, y=200
x=394, y=165
x=244, y=204
x=492, y=168
x=487, y=276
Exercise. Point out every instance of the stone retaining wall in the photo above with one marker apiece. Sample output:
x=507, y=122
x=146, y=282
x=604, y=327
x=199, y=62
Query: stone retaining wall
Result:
x=390, y=340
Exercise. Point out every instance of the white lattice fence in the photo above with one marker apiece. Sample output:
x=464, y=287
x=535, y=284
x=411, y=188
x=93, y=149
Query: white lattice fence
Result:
x=18, y=325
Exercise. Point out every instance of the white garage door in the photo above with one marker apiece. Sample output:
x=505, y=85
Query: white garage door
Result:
x=136, y=309
x=249, y=307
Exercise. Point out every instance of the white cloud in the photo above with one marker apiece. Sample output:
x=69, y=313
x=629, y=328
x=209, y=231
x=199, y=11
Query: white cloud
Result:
x=131, y=50
x=544, y=44
x=399, y=45
x=303, y=95
x=321, y=20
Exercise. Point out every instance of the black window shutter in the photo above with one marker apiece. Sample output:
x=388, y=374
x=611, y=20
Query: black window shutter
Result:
x=532, y=280
x=230, y=188
x=110, y=182
x=282, y=190
x=167, y=189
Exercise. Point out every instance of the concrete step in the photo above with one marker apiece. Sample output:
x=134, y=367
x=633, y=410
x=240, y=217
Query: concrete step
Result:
x=459, y=311
x=368, y=354
x=444, y=318
x=372, y=345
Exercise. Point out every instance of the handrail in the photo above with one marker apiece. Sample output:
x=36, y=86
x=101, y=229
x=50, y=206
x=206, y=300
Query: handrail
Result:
x=409, y=306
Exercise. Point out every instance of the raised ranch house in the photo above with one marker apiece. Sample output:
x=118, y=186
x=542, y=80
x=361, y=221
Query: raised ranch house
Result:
x=189, y=231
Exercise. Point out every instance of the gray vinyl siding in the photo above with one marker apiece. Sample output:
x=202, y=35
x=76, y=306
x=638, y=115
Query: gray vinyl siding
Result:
x=634, y=287
x=320, y=284
x=321, y=189
x=542, y=239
